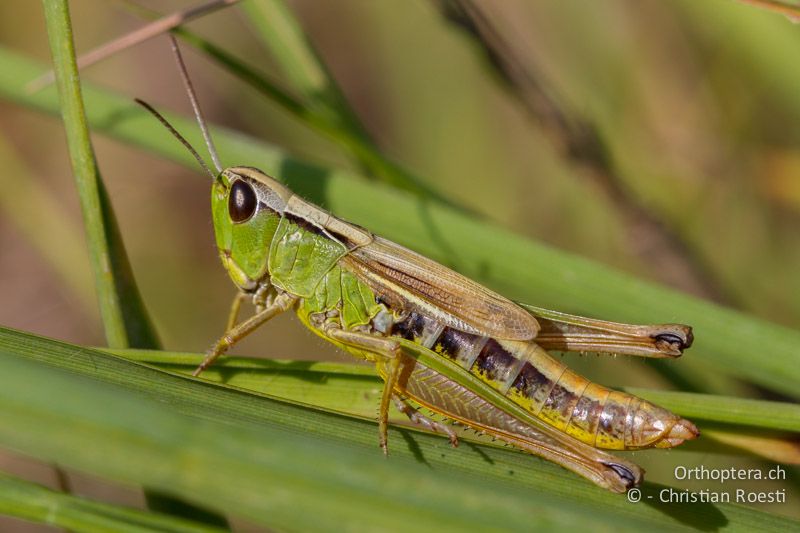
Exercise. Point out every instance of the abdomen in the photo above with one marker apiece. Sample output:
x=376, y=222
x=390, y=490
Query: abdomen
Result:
x=527, y=375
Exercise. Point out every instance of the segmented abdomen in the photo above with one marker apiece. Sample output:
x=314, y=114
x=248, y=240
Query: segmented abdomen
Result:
x=527, y=375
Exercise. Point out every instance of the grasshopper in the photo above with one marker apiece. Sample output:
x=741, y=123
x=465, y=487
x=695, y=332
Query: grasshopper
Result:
x=438, y=339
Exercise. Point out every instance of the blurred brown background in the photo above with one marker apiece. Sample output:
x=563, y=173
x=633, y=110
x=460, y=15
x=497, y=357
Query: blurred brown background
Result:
x=697, y=102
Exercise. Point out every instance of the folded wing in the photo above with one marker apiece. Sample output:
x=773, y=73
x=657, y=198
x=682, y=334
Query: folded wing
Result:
x=406, y=278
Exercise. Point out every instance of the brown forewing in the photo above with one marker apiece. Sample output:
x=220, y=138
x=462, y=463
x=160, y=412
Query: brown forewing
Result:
x=407, y=278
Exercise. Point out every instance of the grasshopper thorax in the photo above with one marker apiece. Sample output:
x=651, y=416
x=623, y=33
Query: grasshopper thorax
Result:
x=247, y=206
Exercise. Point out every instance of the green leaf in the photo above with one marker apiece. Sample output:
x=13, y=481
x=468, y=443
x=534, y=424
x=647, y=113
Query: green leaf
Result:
x=124, y=317
x=354, y=389
x=727, y=424
x=36, y=503
x=291, y=467
x=780, y=416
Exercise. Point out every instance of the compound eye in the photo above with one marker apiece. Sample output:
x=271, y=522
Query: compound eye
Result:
x=242, y=201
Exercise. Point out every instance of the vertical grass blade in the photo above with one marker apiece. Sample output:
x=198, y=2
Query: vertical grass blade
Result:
x=124, y=317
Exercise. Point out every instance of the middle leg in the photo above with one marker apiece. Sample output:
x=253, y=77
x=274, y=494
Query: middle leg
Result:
x=391, y=353
x=418, y=418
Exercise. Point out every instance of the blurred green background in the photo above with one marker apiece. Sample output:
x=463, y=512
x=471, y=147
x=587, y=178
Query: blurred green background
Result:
x=697, y=105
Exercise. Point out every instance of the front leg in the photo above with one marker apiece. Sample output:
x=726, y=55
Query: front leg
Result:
x=281, y=303
x=233, y=315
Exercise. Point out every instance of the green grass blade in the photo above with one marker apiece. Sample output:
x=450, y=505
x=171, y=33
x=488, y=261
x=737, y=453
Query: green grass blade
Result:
x=290, y=467
x=281, y=33
x=35, y=503
x=728, y=425
x=782, y=416
x=124, y=317
x=727, y=342
x=354, y=388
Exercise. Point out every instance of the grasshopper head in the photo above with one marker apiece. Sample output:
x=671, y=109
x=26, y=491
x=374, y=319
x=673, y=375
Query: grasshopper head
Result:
x=247, y=206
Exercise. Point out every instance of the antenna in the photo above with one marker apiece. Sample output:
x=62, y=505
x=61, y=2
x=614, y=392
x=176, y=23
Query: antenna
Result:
x=177, y=135
x=201, y=121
